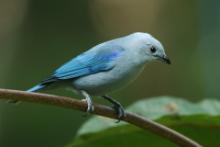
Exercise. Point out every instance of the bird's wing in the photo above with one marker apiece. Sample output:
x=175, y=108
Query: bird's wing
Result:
x=90, y=62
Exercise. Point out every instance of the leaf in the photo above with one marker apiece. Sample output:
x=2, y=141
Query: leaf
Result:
x=201, y=121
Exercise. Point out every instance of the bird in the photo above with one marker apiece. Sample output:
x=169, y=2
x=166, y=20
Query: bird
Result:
x=105, y=68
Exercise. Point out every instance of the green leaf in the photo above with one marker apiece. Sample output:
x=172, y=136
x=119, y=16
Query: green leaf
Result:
x=200, y=121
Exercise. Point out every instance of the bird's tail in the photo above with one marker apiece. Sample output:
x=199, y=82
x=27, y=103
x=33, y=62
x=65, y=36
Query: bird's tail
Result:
x=36, y=88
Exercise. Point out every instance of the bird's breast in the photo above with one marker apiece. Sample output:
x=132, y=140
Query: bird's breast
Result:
x=108, y=81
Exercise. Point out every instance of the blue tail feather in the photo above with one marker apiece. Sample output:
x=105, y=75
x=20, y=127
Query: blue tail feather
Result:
x=36, y=88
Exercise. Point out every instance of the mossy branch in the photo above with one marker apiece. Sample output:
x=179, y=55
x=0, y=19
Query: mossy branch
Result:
x=105, y=111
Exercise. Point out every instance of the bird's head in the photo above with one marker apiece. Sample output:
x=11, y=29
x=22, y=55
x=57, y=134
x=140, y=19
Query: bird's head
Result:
x=149, y=47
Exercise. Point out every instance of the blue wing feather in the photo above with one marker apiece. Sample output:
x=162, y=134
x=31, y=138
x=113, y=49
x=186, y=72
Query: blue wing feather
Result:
x=90, y=62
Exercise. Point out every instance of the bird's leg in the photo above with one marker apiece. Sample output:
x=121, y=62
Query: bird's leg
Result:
x=88, y=99
x=117, y=106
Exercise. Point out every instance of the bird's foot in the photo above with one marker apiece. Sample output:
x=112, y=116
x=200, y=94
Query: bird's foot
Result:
x=88, y=100
x=117, y=107
x=90, y=107
x=119, y=111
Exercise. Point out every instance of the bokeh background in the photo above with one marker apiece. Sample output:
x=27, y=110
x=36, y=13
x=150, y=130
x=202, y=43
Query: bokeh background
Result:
x=36, y=36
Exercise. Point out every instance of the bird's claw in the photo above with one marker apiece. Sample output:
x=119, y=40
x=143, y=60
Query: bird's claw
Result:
x=120, y=112
x=88, y=100
x=117, y=107
x=90, y=108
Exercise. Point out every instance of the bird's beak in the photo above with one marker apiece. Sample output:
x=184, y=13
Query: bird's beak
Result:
x=164, y=59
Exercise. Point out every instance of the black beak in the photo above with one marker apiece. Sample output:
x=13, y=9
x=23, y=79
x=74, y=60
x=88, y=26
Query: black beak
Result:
x=164, y=59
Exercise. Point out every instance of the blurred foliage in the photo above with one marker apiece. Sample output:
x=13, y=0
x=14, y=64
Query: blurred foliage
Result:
x=196, y=120
x=36, y=36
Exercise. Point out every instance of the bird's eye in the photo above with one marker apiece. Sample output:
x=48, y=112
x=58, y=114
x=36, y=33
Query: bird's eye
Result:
x=153, y=49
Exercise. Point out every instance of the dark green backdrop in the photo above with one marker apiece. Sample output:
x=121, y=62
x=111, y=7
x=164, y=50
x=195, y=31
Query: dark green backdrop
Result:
x=36, y=36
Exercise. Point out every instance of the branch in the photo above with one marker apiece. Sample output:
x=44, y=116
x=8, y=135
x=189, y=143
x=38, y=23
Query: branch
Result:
x=71, y=103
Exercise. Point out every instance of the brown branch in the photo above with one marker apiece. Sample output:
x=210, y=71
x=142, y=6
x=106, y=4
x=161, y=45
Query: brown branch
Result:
x=131, y=118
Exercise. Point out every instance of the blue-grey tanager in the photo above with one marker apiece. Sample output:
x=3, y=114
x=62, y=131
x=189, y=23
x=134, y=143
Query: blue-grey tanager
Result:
x=106, y=67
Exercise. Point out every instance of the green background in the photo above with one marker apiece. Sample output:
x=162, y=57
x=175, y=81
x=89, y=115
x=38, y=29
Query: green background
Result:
x=36, y=36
